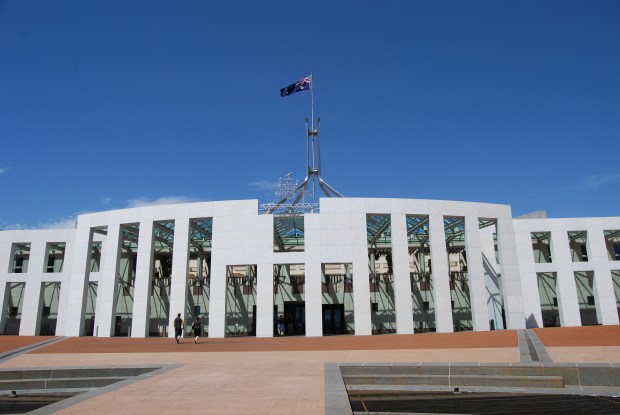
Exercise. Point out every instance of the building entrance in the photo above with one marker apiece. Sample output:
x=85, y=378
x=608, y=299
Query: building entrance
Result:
x=295, y=317
x=333, y=319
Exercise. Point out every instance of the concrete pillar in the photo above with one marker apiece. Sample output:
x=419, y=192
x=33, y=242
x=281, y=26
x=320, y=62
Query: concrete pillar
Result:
x=361, y=285
x=440, y=274
x=402, y=282
x=107, y=294
x=4, y=303
x=75, y=286
x=143, y=283
x=566, y=289
x=509, y=265
x=264, y=299
x=31, y=307
x=312, y=287
x=5, y=256
x=475, y=275
x=217, y=299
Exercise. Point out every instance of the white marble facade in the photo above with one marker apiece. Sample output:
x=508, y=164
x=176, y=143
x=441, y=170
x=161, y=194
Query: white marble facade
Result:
x=337, y=235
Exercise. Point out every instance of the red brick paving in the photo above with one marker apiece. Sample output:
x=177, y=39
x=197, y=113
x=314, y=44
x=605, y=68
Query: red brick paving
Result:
x=15, y=342
x=493, y=339
x=551, y=337
x=579, y=336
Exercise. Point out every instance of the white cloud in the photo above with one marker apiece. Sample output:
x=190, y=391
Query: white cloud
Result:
x=168, y=200
x=13, y=227
x=263, y=185
x=68, y=223
x=106, y=201
x=597, y=180
x=63, y=223
x=3, y=169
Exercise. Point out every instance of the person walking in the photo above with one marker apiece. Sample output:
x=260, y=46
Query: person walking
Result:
x=178, y=327
x=197, y=327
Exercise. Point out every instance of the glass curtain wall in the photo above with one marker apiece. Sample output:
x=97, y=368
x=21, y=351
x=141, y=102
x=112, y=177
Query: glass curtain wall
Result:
x=95, y=256
x=612, y=241
x=578, y=243
x=163, y=245
x=615, y=279
x=454, y=228
x=199, y=278
x=49, y=308
x=14, y=305
x=89, y=315
x=541, y=247
x=548, y=299
x=420, y=274
x=381, y=276
x=288, y=232
x=241, y=300
x=584, y=281
x=54, y=257
x=126, y=279
x=337, y=297
x=289, y=310
x=20, y=256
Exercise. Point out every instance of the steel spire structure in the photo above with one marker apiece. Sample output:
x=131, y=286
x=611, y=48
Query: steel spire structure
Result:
x=294, y=201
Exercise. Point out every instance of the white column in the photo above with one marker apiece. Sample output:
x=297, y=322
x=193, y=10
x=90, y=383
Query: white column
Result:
x=604, y=295
x=361, y=283
x=5, y=257
x=217, y=298
x=402, y=282
x=440, y=274
x=566, y=289
x=143, y=285
x=509, y=265
x=264, y=300
x=264, y=280
x=74, y=286
x=529, y=280
x=178, y=280
x=4, y=303
x=475, y=274
x=105, y=316
x=314, y=300
x=65, y=282
x=31, y=307
x=312, y=286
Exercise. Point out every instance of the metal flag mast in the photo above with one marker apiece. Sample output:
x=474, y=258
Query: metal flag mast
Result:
x=296, y=201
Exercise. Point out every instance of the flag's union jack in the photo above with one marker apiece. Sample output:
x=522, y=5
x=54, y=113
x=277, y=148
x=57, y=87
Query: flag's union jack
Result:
x=297, y=86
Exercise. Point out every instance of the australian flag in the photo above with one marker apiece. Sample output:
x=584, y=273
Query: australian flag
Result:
x=296, y=87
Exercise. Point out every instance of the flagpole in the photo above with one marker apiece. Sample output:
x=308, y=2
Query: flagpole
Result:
x=312, y=98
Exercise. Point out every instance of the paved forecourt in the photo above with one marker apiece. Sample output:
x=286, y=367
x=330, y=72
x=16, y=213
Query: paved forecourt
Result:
x=279, y=375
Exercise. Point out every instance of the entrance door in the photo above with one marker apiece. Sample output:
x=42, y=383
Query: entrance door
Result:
x=333, y=319
x=295, y=317
x=118, y=325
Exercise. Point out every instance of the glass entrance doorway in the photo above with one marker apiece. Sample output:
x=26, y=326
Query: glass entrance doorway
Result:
x=295, y=318
x=333, y=319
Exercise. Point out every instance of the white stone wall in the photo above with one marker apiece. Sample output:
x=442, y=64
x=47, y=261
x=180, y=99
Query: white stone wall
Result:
x=562, y=264
x=336, y=235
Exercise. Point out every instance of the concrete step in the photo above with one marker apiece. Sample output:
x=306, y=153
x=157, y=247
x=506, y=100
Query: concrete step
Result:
x=456, y=380
x=74, y=373
x=58, y=383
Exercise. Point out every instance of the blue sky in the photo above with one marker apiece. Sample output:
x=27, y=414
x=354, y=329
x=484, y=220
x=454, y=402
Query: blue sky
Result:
x=112, y=104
